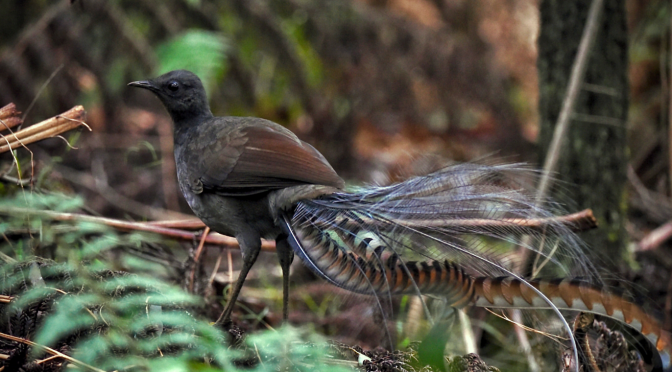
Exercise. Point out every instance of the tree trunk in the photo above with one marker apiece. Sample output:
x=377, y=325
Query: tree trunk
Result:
x=593, y=161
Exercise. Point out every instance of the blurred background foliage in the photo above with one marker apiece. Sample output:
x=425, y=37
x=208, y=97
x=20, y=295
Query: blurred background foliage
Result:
x=110, y=314
x=383, y=88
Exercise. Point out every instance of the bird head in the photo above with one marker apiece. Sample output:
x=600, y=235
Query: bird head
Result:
x=181, y=93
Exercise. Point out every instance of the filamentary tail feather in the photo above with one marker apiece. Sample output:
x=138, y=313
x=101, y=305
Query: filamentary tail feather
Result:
x=437, y=234
x=454, y=214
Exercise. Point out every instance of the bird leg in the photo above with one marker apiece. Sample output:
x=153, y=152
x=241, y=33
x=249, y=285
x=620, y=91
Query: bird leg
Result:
x=250, y=251
x=285, y=256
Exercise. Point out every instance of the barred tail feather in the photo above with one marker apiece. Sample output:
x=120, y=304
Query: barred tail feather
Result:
x=573, y=295
x=448, y=214
x=434, y=235
x=349, y=271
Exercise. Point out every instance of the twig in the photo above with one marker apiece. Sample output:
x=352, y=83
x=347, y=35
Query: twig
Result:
x=199, y=250
x=9, y=117
x=212, y=238
x=197, y=258
x=598, y=119
x=656, y=237
x=413, y=317
x=582, y=325
x=561, y=126
x=467, y=332
x=14, y=180
x=576, y=79
x=188, y=224
x=39, y=92
x=655, y=205
x=45, y=129
x=519, y=324
x=50, y=351
x=47, y=359
x=579, y=221
x=15, y=160
x=71, y=147
x=601, y=89
x=211, y=279
x=258, y=356
x=519, y=329
x=76, y=113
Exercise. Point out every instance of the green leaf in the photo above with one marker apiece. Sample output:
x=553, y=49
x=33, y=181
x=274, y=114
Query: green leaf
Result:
x=98, y=246
x=430, y=350
x=162, y=319
x=290, y=346
x=30, y=297
x=96, y=347
x=71, y=315
x=201, y=52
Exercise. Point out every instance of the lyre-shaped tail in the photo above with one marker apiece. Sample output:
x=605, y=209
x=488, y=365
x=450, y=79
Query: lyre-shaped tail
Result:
x=390, y=275
x=375, y=275
x=447, y=234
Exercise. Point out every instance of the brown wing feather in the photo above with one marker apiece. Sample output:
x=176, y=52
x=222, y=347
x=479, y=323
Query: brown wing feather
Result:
x=260, y=157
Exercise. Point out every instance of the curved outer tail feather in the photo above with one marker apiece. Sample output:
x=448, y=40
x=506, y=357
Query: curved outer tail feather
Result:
x=377, y=277
x=573, y=295
x=393, y=276
x=416, y=237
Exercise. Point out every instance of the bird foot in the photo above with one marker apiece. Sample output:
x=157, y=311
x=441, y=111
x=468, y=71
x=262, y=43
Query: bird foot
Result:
x=235, y=335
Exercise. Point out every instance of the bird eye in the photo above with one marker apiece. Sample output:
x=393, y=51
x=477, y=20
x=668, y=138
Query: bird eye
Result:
x=173, y=86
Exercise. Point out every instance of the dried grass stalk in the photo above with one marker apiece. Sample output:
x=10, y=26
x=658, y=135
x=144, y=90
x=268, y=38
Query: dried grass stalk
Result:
x=46, y=129
x=9, y=117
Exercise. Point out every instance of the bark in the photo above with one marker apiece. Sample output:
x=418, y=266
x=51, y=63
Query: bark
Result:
x=592, y=168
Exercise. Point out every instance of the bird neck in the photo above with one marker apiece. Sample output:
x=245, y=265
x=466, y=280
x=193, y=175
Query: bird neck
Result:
x=182, y=124
x=189, y=119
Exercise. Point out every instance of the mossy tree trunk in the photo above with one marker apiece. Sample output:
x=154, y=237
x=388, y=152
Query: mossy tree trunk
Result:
x=593, y=161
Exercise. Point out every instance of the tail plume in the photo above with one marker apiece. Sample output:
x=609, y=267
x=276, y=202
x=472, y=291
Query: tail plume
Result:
x=457, y=233
x=471, y=215
x=572, y=295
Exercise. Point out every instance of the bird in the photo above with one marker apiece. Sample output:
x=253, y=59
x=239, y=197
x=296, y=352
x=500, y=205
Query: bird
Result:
x=252, y=178
x=230, y=170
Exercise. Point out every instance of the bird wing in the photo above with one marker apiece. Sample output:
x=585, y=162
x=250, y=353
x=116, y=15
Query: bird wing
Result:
x=250, y=156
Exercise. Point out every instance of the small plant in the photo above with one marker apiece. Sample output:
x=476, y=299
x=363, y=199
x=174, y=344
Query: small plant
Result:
x=80, y=310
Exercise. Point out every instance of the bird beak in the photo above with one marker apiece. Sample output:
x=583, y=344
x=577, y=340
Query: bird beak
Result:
x=145, y=84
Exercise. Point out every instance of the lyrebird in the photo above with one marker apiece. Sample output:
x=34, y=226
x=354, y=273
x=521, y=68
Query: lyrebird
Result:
x=251, y=178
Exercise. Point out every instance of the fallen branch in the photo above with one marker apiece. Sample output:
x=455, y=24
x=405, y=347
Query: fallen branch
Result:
x=197, y=259
x=178, y=229
x=656, y=237
x=50, y=351
x=9, y=117
x=577, y=222
x=188, y=224
x=213, y=238
x=46, y=129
